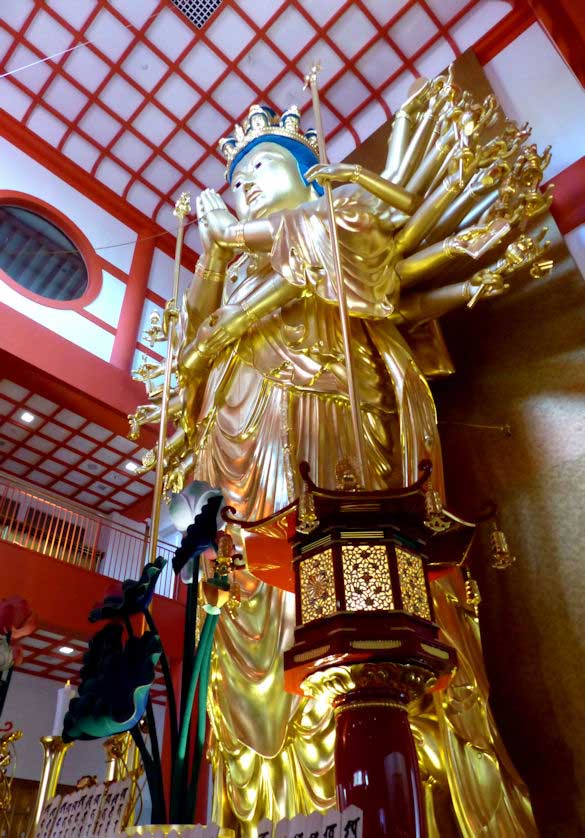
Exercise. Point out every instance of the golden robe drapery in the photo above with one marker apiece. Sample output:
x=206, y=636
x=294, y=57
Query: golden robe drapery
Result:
x=275, y=397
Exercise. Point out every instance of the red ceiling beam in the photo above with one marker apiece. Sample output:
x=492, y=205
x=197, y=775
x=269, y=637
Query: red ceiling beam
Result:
x=133, y=305
x=568, y=207
x=35, y=147
x=564, y=21
x=504, y=32
x=54, y=367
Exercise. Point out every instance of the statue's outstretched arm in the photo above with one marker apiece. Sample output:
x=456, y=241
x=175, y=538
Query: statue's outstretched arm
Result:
x=429, y=305
x=231, y=321
x=393, y=195
x=468, y=244
x=147, y=413
x=175, y=447
x=203, y=295
x=428, y=214
x=524, y=253
x=412, y=128
x=398, y=142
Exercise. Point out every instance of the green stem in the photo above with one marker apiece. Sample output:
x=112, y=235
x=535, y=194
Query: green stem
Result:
x=189, y=634
x=180, y=780
x=172, y=702
x=155, y=753
x=201, y=723
x=158, y=814
x=179, y=784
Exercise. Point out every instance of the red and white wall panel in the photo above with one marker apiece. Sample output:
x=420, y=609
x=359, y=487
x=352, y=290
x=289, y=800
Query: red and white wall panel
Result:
x=91, y=325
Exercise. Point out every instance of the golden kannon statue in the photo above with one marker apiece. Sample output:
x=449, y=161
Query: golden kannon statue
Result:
x=263, y=386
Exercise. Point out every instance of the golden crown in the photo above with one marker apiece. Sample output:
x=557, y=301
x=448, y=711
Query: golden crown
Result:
x=262, y=121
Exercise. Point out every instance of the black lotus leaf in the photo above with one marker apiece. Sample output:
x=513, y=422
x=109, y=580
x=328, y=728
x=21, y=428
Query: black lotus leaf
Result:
x=115, y=684
x=131, y=597
x=200, y=535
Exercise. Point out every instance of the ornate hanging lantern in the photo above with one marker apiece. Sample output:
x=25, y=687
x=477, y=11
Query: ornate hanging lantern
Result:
x=365, y=639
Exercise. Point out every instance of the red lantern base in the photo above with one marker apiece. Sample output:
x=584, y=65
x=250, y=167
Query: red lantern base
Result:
x=365, y=639
x=376, y=764
x=376, y=768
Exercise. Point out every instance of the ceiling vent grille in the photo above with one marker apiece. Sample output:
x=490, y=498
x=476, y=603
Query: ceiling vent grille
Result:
x=197, y=11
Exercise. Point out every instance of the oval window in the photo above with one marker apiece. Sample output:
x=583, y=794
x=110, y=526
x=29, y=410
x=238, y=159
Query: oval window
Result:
x=36, y=255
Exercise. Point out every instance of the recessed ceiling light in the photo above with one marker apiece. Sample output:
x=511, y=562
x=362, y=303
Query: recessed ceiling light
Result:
x=131, y=466
x=27, y=416
x=66, y=650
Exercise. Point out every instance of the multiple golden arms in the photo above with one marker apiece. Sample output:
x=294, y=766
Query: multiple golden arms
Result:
x=401, y=128
x=393, y=195
x=471, y=243
x=496, y=182
x=202, y=297
x=480, y=193
x=436, y=148
x=428, y=214
x=208, y=327
x=413, y=129
x=482, y=190
x=227, y=236
x=519, y=195
x=206, y=338
x=416, y=147
x=525, y=252
x=230, y=322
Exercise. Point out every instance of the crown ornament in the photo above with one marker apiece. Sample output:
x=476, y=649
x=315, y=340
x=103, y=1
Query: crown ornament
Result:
x=262, y=121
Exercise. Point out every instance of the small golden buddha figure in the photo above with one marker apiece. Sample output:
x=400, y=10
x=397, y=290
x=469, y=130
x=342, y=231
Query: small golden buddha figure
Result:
x=291, y=120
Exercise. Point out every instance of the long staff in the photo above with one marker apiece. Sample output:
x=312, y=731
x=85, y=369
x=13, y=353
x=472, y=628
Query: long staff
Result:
x=356, y=418
x=182, y=208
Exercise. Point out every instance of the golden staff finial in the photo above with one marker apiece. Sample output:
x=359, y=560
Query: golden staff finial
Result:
x=171, y=316
x=354, y=402
x=311, y=77
x=182, y=206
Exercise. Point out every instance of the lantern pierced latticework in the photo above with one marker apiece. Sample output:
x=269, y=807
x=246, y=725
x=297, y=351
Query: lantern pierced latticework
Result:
x=412, y=583
x=366, y=577
x=317, y=586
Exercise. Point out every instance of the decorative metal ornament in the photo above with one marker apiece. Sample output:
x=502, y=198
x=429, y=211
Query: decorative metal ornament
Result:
x=262, y=122
x=502, y=558
x=435, y=518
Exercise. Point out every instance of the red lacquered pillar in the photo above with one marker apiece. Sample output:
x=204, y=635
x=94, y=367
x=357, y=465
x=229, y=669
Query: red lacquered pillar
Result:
x=376, y=765
x=376, y=768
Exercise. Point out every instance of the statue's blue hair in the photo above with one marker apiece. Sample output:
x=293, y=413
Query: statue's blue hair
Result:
x=304, y=156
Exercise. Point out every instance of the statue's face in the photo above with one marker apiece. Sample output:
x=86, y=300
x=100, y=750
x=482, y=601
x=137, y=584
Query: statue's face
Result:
x=267, y=180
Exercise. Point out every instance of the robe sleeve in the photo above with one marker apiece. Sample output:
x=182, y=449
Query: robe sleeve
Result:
x=428, y=348
x=302, y=253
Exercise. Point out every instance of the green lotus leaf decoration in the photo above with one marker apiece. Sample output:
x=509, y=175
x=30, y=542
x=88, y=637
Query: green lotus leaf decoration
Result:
x=115, y=684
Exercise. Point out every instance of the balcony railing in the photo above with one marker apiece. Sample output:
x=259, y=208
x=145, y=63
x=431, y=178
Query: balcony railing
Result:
x=36, y=520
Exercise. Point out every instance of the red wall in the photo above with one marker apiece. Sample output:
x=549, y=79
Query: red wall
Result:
x=62, y=595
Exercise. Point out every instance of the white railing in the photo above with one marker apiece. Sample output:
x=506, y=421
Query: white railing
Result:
x=38, y=520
